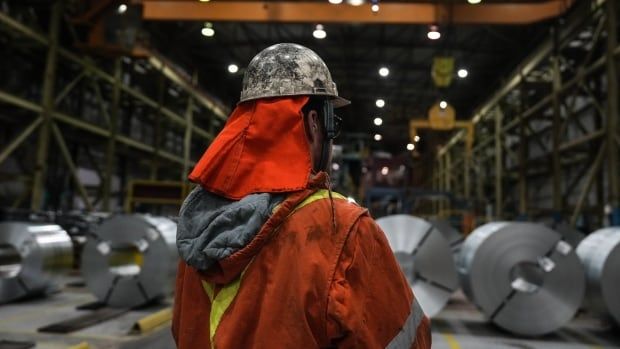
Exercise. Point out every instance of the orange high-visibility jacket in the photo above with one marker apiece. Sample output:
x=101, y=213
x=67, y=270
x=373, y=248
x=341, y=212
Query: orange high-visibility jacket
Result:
x=319, y=273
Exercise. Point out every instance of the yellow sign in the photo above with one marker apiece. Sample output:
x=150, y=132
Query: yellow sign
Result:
x=442, y=71
x=441, y=118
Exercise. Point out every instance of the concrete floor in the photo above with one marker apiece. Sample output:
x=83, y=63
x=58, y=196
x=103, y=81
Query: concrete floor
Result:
x=19, y=322
x=459, y=326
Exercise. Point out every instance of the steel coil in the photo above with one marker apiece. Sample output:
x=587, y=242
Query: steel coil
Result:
x=31, y=256
x=600, y=254
x=425, y=258
x=522, y=276
x=131, y=260
x=454, y=237
x=569, y=234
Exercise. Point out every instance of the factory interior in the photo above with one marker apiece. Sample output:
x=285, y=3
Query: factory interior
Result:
x=483, y=136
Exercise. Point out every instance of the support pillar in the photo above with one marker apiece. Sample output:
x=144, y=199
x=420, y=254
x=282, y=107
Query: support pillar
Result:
x=557, y=127
x=110, y=155
x=187, y=140
x=523, y=154
x=612, y=113
x=47, y=102
x=499, y=199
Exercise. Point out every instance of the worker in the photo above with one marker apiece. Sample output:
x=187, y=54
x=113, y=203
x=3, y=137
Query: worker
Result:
x=271, y=257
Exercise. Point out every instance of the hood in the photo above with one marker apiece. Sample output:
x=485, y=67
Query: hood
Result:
x=219, y=237
x=212, y=228
x=262, y=149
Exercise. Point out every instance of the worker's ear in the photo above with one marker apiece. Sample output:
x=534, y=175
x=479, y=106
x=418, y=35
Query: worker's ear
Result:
x=312, y=123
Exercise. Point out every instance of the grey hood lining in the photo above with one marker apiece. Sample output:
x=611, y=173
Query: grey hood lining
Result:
x=212, y=228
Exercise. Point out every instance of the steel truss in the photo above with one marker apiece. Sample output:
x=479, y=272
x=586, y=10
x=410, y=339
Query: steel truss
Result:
x=97, y=112
x=551, y=133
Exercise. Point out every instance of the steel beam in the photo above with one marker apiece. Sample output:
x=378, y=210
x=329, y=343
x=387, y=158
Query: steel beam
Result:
x=86, y=126
x=47, y=104
x=71, y=165
x=187, y=139
x=190, y=86
x=585, y=190
x=322, y=12
x=110, y=155
x=557, y=123
x=65, y=91
x=89, y=67
x=9, y=148
x=523, y=155
x=499, y=197
x=612, y=112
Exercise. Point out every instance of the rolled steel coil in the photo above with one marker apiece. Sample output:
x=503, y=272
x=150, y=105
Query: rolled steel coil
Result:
x=454, y=237
x=600, y=254
x=425, y=258
x=522, y=276
x=31, y=256
x=570, y=234
x=131, y=260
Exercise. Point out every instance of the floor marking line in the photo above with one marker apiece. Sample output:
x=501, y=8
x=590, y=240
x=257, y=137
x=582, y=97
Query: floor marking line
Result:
x=452, y=342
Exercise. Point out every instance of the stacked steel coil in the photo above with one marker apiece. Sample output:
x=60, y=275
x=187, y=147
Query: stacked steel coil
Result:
x=31, y=255
x=131, y=260
x=600, y=254
x=424, y=256
x=522, y=276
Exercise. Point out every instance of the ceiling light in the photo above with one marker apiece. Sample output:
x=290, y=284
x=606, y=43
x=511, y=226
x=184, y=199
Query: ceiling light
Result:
x=336, y=2
x=380, y=103
x=233, y=68
x=378, y=137
x=378, y=121
x=355, y=2
x=208, y=30
x=410, y=146
x=416, y=138
x=473, y=2
x=203, y=0
x=319, y=32
x=385, y=170
x=122, y=8
x=384, y=71
x=374, y=8
x=335, y=166
x=443, y=104
x=433, y=32
x=462, y=73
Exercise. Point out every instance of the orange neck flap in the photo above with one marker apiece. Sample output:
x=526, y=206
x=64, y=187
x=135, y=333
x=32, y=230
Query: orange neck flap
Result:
x=262, y=149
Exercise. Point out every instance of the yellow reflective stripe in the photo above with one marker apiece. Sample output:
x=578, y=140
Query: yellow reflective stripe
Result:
x=221, y=302
x=318, y=195
x=208, y=289
x=226, y=295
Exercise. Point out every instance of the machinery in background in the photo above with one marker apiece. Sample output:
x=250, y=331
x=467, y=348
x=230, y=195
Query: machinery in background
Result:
x=424, y=256
x=131, y=260
x=31, y=255
x=524, y=277
x=600, y=254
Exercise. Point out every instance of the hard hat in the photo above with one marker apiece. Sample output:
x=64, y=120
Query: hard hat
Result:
x=288, y=70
